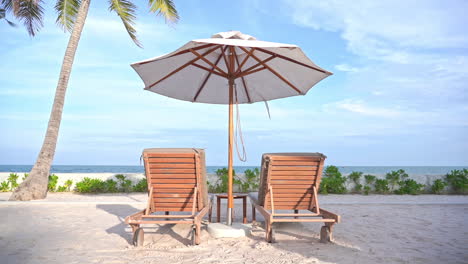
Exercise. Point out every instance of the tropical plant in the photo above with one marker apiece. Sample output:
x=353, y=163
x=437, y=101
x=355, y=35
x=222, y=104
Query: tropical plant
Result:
x=88, y=185
x=4, y=186
x=369, y=182
x=52, y=184
x=333, y=181
x=71, y=16
x=221, y=184
x=66, y=187
x=458, y=181
x=3, y=16
x=438, y=186
x=381, y=186
x=141, y=186
x=394, y=177
x=252, y=178
x=124, y=183
x=13, y=181
x=410, y=186
x=355, y=177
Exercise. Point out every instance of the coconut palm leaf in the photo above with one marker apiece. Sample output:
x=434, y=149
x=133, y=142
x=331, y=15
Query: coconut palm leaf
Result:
x=126, y=10
x=66, y=13
x=30, y=12
x=166, y=8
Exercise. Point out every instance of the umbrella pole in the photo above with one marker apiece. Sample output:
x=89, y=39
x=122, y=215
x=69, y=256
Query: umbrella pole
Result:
x=230, y=159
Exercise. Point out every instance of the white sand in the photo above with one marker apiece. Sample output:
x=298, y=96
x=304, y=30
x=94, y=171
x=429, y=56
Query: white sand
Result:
x=67, y=228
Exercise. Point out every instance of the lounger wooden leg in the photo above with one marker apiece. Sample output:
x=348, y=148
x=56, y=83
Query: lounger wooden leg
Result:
x=254, y=219
x=244, y=209
x=326, y=233
x=269, y=232
x=296, y=212
x=134, y=227
x=218, y=209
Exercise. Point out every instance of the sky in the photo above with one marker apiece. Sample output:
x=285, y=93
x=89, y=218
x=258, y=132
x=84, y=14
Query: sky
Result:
x=398, y=96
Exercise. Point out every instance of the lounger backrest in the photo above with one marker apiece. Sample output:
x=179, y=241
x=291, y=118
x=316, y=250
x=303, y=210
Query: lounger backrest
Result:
x=292, y=177
x=173, y=174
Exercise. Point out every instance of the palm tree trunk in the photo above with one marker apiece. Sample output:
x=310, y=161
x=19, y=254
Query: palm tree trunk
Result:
x=35, y=186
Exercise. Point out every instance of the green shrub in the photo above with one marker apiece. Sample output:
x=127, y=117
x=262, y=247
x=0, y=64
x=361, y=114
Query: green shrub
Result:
x=394, y=177
x=25, y=176
x=88, y=185
x=381, y=186
x=333, y=181
x=141, y=186
x=355, y=177
x=124, y=183
x=370, y=179
x=110, y=186
x=52, y=185
x=369, y=182
x=458, y=180
x=409, y=186
x=66, y=187
x=252, y=178
x=4, y=186
x=13, y=180
x=438, y=186
x=367, y=190
x=221, y=185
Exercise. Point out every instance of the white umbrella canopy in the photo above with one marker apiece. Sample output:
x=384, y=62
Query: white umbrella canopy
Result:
x=230, y=68
x=268, y=70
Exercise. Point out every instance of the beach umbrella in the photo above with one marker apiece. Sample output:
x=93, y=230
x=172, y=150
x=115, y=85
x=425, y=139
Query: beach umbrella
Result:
x=230, y=68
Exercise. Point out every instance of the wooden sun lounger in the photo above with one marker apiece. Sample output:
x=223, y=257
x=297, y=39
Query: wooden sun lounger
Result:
x=290, y=181
x=176, y=183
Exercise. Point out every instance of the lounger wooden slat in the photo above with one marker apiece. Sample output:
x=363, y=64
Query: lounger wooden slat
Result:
x=290, y=181
x=172, y=195
x=176, y=183
x=295, y=168
x=169, y=155
x=172, y=166
x=173, y=176
x=297, y=163
x=175, y=180
x=170, y=160
x=290, y=173
x=170, y=171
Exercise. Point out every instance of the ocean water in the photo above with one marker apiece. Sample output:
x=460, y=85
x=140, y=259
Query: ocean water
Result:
x=420, y=170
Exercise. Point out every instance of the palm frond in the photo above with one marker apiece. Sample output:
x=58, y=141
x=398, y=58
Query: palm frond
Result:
x=66, y=13
x=30, y=12
x=166, y=8
x=126, y=10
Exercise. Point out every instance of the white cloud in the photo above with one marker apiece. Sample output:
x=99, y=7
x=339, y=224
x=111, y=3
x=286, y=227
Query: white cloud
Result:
x=359, y=107
x=387, y=29
x=347, y=68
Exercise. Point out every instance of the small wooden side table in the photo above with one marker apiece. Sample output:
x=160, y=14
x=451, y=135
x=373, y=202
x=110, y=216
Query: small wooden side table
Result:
x=235, y=196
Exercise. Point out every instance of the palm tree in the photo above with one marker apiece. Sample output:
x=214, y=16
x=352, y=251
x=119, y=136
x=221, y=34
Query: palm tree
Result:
x=71, y=17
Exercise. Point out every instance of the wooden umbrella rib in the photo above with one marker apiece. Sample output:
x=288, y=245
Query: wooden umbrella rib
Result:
x=294, y=61
x=228, y=67
x=274, y=72
x=209, y=70
x=202, y=57
x=242, y=77
x=181, y=52
x=245, y=59
x=206, y=79
x=260, y=63
x=180, y=68
x=243, y=74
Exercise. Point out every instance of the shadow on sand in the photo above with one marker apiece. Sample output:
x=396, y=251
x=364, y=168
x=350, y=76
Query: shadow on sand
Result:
x=122, y=210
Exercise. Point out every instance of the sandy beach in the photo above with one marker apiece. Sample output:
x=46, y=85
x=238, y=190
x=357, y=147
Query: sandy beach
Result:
x=71, y=228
